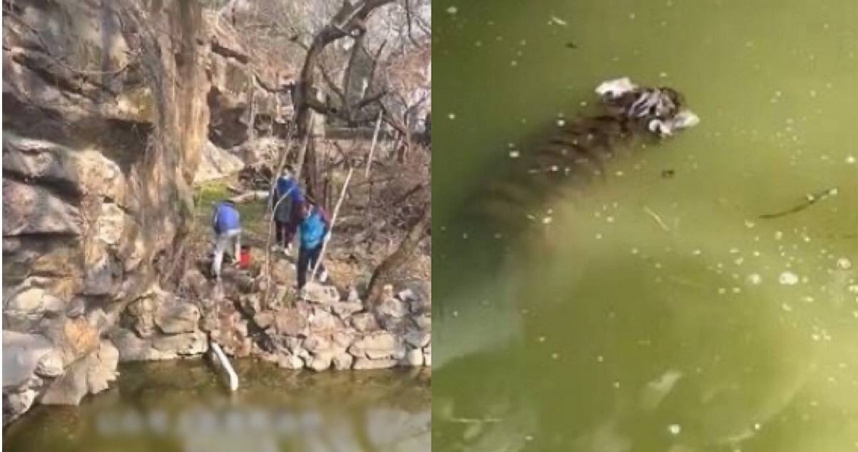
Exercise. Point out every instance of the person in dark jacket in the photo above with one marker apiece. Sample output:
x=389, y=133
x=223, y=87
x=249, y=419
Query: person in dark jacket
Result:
x=227, y=228
x=314, y=227
x=286, y=203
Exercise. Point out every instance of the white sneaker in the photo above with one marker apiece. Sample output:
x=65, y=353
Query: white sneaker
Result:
x=323, y=277
x=288, y=250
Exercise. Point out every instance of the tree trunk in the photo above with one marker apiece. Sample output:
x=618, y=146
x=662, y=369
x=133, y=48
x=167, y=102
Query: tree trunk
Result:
x=382, y=273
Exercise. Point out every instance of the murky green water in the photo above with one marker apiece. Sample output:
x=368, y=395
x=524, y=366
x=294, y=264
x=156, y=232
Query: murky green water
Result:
x=182, y=406
x=652, y=314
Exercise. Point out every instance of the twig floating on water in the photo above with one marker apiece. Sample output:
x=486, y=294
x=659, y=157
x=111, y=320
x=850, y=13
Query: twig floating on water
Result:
x=656, y=218
x=810, y=200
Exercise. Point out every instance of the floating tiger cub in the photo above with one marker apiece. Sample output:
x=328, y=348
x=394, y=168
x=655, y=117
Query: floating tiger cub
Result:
x=579, y=148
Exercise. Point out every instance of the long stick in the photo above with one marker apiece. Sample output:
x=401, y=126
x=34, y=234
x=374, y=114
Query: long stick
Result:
x=333, y=221
x=224, y=361
x=372, y=147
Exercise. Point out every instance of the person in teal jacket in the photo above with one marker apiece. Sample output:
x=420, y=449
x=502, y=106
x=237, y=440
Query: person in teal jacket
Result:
x=314, y=227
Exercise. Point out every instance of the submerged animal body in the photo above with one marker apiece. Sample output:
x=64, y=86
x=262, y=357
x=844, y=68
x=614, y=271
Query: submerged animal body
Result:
x=578, y=149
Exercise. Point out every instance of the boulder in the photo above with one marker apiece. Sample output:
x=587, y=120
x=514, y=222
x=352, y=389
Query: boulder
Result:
x=417, y=339
x=51, y=365
x=370, y=364
x=364, y=322
x=414, y=357
x=392, y=307
x=290, y=362
x=378, y=345
x=291, y=322
x=21, y=355
x=319, y=293
x=346, y=309
x=89, y=375
x=343, y=361
x=176, y=316
x=184, y=344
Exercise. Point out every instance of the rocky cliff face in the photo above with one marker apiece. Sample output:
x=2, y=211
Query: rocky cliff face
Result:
x=104, y=117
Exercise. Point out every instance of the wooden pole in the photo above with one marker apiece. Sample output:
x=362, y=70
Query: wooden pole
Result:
x=372, y=147
x=333, y=221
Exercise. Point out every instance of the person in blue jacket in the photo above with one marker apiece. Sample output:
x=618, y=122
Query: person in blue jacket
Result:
x=227, y=228
x=286, y=203
x=314, y=227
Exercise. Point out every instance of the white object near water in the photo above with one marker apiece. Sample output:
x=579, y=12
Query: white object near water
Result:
x=221, y=356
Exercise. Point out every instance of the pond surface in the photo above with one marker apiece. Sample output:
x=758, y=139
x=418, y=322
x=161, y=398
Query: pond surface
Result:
x=183, y=406
x=654, y=313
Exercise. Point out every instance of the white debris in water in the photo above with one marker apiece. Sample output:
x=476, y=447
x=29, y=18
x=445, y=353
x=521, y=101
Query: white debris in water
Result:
x=632, y=16
x=844, y=263
x=786, y=307
x=722, y=291
x=561, y=122
x=853, y=288
x=555, y=355
x=697, y=252
x=600, y=358
x=465, y=236
x=452, y=10
x=674, y=429
x=736, y=289
x=617, y=384
x=541, y=338
x=635, y=251
x=557, y=20
x=514, y=154
x=662, y=74
x=754, y=279
x=498, y=235
x=513, y=63
x=546, y=220
x=779, y=235
x=788, y=278
x=598, y=236
x=739, y=260
x=452, y=116
x=478, y=43
x=850, y=160
x=609, y=219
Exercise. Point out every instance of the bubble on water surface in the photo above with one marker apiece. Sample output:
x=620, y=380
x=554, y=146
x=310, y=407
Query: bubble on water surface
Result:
x=788, y=278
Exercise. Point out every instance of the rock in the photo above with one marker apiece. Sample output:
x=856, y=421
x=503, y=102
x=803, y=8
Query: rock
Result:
x=89, y=375
x=427, y=356
x=364, y=322
x=51, y=365
x=132, y=348
x=316, y=344
x=392, y=307
x=344, y=310
x=353, y=296
x=417, y=339
x=77, y=338
x=370, y=364
x=184, y=344
x=290, y=322
x=21, y=355
x=343, y=361
x=282, y=273
x=175, y=316
x=76, y=308
x=264, y=319
x=407, y=295
x=216, y=163
x=16, y=403
x=423, y=322
x=343, y=339
x=321, y=294
x=290, y=362
x=414, y=357
x=378, y=345
x=33, y=209
x=320, y=362
x=142, y=312
x=321, y=320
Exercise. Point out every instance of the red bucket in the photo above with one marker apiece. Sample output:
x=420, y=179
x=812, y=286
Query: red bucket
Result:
x=244, y=258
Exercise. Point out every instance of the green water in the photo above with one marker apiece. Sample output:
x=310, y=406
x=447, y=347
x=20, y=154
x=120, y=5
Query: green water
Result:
x=183, y=406
x=652, y=313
